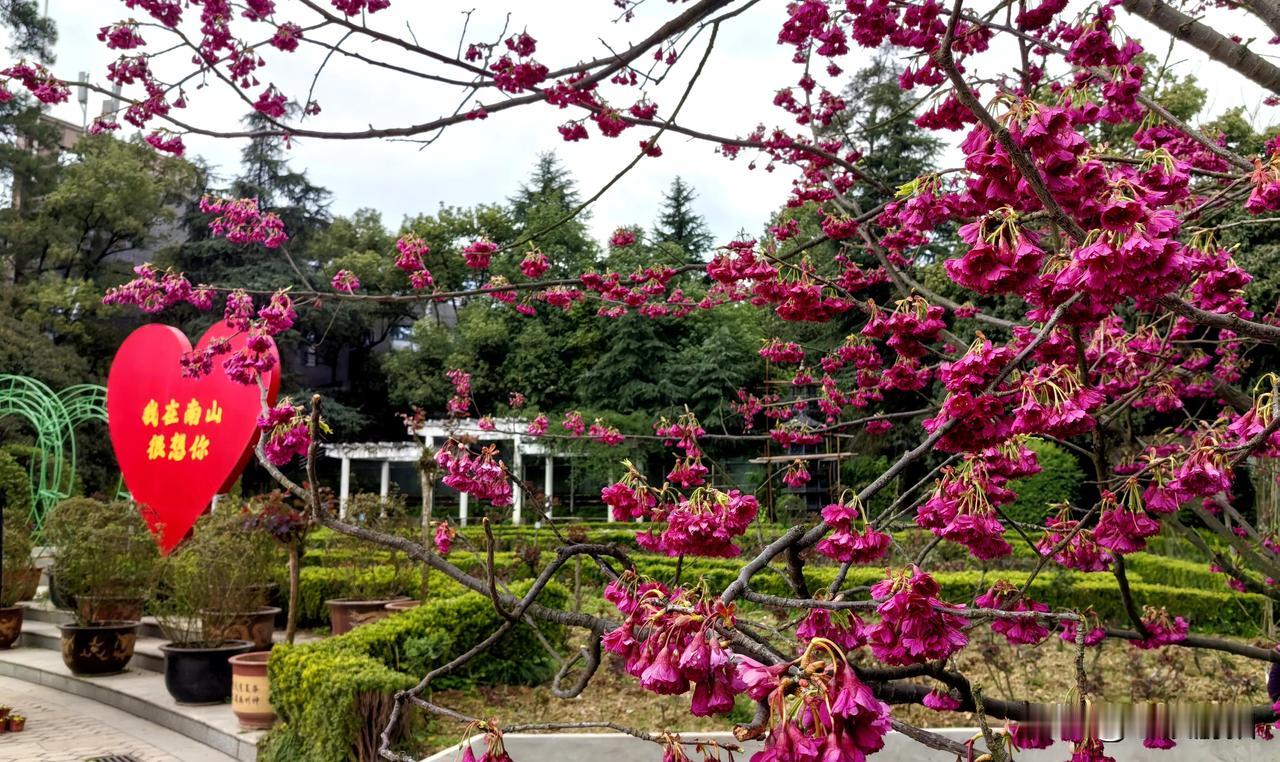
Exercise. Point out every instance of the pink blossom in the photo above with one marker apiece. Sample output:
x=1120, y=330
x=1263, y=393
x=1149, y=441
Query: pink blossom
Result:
x=345, y=281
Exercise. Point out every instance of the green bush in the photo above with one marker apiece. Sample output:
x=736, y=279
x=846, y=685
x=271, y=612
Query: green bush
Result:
x=319, y=584
x=1058, y=482
x=329, y=694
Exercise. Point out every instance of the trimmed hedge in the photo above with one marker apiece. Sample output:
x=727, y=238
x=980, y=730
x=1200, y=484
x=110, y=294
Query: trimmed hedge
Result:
x=330, y=695
x=1185, y=588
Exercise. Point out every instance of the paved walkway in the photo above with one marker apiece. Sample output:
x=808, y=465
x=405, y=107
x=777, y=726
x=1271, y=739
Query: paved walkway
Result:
x=62, y=727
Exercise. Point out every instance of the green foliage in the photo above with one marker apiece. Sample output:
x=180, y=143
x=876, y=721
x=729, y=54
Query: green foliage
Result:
x=103, y=549
x=319, y=584
x=679, y=225
x=213, y=577
x=318, y=689
x=1058, y=482
x=110, y=201
x=17, y=549
x=32, y=32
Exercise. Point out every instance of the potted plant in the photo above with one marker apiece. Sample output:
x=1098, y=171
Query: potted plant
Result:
x=107, y=560
x=204, y=588
x=16, y=562
x=254, y=555
x=16, y=723
x=368, y=589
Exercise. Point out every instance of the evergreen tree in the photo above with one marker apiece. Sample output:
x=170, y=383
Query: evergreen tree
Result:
x=879, y=120
x=549, y=185
x=679, y=224
x=539, y=210
x=32, y=33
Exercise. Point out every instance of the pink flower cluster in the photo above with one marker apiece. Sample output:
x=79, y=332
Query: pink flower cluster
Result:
x=829, y=714
x=443, y=536
x=840, y=626
x=1021, y=630
x=477, y=254
x=345, y=281
x=670, y=651
x=852, y=539
x=1162, y=628
x=240, y=221
x=912, y=629
x=703, y=524
x=411, y=256
x=37, y=80
x=482, y=476
x=1081, y=552
x=154, y=291
x=459, y=404
x=286, y=433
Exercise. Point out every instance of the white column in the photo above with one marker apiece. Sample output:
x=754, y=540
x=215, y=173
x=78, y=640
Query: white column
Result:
x=385, y=487
x=462, y=508
x=344, y=487
x=517, y=499
x=547, y=483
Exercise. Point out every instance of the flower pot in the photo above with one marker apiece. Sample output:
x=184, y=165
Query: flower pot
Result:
x=16, y=725
x=195, y=675
x=4, y=712
x=109, y=608
x=10, y=626
x=251, y=690
x=256, y=627
x=346, y=615
x=104, y=648
x=403, y=605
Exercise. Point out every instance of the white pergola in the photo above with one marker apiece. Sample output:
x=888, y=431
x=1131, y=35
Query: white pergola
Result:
x=438, y=432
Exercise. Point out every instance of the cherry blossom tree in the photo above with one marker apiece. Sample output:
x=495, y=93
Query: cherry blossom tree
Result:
x=1079, y=198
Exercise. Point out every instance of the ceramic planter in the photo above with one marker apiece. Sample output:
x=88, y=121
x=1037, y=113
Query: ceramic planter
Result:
x=196, y=675
x=98, y=649
x=251, y=690
x=256, y=627
x=109, y=608
x=16, y=724
x=346, y=615
x=10, y=625
x=403, y=605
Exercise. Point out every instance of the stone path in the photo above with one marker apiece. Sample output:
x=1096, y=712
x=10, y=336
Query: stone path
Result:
x=62, y=727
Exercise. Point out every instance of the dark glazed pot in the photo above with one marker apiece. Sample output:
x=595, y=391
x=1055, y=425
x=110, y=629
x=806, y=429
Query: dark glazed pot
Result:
x=10, y=625
x=98, y=649
x=58, y=594
x=256, y=627
x=194, y=675
x=345, y=615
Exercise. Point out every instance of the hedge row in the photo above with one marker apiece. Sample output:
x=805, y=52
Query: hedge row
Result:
x=1185, y=588
x=331, y=695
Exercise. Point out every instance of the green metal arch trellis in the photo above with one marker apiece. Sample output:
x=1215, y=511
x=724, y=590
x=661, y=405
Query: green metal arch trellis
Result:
x=54, y=417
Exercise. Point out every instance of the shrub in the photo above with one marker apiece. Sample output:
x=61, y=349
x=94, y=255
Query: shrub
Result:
x=330, y=694
x=1058, y=482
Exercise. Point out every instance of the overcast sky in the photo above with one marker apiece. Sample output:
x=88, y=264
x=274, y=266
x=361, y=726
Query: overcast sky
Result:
x=486, y=161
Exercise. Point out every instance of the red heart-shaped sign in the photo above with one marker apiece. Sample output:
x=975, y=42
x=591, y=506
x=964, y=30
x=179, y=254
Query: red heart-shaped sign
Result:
x=180, y=441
